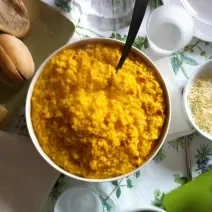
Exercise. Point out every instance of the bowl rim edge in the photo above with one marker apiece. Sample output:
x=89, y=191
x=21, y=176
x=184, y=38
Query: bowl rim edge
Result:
x=35, y=140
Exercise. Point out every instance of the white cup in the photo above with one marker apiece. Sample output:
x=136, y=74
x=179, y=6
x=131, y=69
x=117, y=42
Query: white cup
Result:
x=169, y=29
x=79, y=199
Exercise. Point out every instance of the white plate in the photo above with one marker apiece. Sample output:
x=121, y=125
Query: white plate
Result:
x=201, y=11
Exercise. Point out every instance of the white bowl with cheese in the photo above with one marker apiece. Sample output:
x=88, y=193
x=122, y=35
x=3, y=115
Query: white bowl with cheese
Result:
x=197, y=98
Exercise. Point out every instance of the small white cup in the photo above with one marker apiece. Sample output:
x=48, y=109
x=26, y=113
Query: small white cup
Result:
x=169, y=29
x=79, y=199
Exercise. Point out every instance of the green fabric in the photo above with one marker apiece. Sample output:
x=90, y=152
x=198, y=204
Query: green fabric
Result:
x=195, y=196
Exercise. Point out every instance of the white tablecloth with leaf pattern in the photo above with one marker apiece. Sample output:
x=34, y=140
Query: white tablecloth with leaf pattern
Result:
x=167, y=171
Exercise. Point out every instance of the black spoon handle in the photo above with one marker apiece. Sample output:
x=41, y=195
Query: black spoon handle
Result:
x=137, y=17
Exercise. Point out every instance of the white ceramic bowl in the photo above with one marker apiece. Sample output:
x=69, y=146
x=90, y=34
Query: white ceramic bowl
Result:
x=203, y=69
x=174, y=25
x=81, y=43
x=149, y=208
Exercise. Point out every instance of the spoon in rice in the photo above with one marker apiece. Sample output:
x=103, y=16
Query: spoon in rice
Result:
x=137, y=17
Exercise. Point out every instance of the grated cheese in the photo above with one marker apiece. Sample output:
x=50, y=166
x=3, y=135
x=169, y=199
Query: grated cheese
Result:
x=200, y=101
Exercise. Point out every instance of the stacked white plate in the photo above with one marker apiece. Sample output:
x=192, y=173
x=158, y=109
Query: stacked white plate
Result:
x=201, y=12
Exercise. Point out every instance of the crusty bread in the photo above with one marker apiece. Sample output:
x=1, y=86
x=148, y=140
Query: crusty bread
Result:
x=14, y=18
x=8, y=67
x=15, y=59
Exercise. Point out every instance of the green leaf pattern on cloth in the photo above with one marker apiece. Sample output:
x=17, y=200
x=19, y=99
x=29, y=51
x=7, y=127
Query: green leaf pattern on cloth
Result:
x=180, y=142
x=203, y=156
x=115, y=183
x=117, y=36
x=58, y=188
x=178, y=59
x=140, y=42
x=176, y=62
x=181, y=180
x=124, y=183
x=187, y=60
x=129, y=183
x=158, y=199
x=137, y=174
x=176, y=144
x=107, y=206
x=63, y=5
x=198, y=46
x=161, y=155
x=118, y=192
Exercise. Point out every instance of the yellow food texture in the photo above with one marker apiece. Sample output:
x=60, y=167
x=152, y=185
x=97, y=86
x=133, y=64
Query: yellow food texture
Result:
x=93, y=122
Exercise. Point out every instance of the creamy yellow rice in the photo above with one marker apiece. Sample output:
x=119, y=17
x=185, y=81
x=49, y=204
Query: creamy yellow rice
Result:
x=91, y=121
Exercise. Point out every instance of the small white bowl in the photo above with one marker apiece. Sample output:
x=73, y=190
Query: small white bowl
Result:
x=108, y=41
x=148, y=208
x=169, y=29
x=203, y=69
x=79, y=199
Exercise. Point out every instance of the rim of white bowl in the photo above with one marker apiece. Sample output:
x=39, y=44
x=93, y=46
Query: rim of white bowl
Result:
x=199, y=71
x=154, y=46
x=71, y=190
x=149, y=208
x=35, y=140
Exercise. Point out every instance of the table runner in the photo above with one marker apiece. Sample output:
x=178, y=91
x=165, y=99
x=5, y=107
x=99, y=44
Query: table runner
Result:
x=167, y=170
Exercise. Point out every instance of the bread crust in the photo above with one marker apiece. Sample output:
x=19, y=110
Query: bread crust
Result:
x=19, y=8
x=15, y=59
x=8, y=67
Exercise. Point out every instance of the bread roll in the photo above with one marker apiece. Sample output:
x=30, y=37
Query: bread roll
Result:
x=15, y=59
x=14, y=18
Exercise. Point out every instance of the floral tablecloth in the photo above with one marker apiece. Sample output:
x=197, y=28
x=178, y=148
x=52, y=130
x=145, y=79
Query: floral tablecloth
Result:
x=167, y=171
